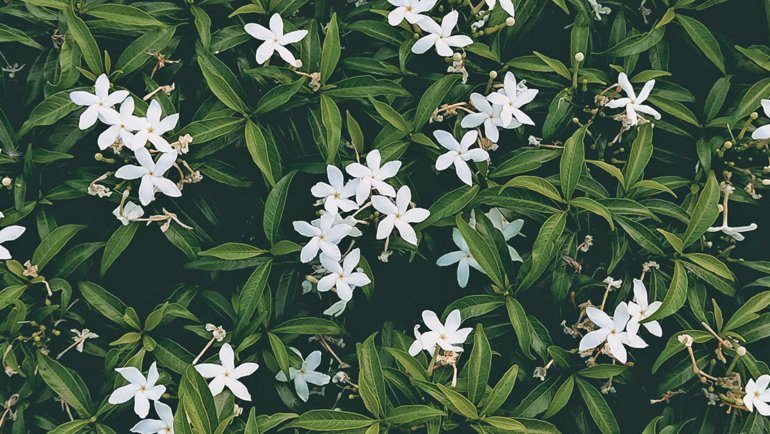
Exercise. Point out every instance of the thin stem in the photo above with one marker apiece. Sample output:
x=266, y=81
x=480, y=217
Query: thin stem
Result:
x=203, y=351
x=328, y=348
x=433, y=361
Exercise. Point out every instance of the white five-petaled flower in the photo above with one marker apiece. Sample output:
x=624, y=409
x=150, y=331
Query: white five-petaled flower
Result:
x=305, y=374
x=164, y=425
x=508, y=229
x=121, y=127
x=142, y=390
x=398, y=215
x=459, y=153
x=757, y=395
x=9, y=234
x=128, y=213
x=462, y=258
x=324, y=234
x=611, y=331
x=81, y=336
x=151, y=174
x=512, y=98
x=507, y=6
x=99, y=103
x=489, y=116
x=633, y=102
x=336, y=192
x=227, y=374
x=274, y=40
x=446, y=336
x=409, y=10
x=343, y=277
x=440, y=36
x=153, y=127
x=373, y=176
x=639, y=309
x=763, y=132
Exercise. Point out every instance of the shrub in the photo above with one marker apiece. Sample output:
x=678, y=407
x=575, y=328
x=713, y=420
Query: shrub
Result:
x=384, y=216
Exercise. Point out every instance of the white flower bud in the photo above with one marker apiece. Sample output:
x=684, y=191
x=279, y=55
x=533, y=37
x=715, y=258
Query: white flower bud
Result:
x=580, y=57
x=457, y=57
x=741, y=351
x=510, y=21
x=493, y=74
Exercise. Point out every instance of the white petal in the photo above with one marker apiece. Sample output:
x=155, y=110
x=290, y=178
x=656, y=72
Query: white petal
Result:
x=616, y=348
x=593, y=339
x=11, y=233
x=258, y=31
x=123, y=394
x=599, y=318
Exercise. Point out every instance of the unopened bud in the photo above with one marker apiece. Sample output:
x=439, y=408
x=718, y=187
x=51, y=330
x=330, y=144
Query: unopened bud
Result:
x=510, y=21
x=298, y=64
x=754, y=115
x=7, y=181
x=98, y=156
x=457, y=57
x=728, y=144
x=493, y=74
x=741, y=351
x=580, y=57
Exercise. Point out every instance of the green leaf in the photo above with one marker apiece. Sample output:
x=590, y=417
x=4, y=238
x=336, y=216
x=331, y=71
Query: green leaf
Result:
x=459, y=404
x=449, y=204
x=432, y=98
x=640, y=234
x=411, y=365
x=506, y=423
x=639, y=156
x=711, y=264
x=536, y=184
x=501, y=391
x=561, y=398
x=595, y=207
x=602, y=372
x=198, y=403
x=278, y=96
x=705, y=211
x=9, y=34
x=483, y=251
x=53, y=243
x=413, y=414
x=308, y=326
x=134, y=57
x=66, y=383
x=524, y=160
x=371, y=382
x=332, y=122
x=259, y=150
x=542, y=250
x=117, y=244
x=672, y=239
x=478, y=366
x=391, y=115
x=331, y=420
x=748, y=311
x=330, y=53
x=716, y=98
x=85, y=41
x=274, y=206
x=222, y=82
x=556, y=65
x=104, y=302
x=703, y=39
x=280, y=353
x=521, y=325
x=202, y=23
x=572, y=162
x=251, y=293
x=597, y=407
x=675, y=296
x=635, y=44
x=233, y=251
x=49, y=111
x=123, y=14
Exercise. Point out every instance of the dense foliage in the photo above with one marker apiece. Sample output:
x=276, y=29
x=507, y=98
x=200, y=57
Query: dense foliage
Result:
x=240, y=216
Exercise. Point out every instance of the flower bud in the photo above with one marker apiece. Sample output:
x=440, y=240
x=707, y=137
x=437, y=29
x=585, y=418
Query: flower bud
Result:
x=741, y=351
x=754, y=115
x=579, y=57
x=728, y=144
x=98, y=156
x=510, y=21
x=457, y=57
x=7, y=182
x=493, y=74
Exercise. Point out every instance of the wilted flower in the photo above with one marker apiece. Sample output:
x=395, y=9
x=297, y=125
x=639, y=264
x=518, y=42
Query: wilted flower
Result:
x=398, y=215
x=142, y=390
x=128, y=212
x=598, y=9
x=217, y=332
x=459, y=153
x=81, y=336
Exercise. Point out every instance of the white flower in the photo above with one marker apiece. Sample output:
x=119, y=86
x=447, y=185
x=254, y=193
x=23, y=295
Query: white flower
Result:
x=227, y=374
x=398, y=215
x=324, y=235
x=305, y=374
x=734, y=232
x=121, y=127
x=343, y=277
x=140, y=389
x=640, y=309
x=154, y=426
x=508, y=229
x=611, y=331
x=462, y=258
x=447, y=336
x=151, y=174
x=763, y=132
x=275, y=40
x=612, y=283
x=336, y=192
x=440, y=36
x=598, y=9
x=373, y=176
x=409, y=10
x=488, y=115
x=9, y=234
x=128, y=212
x=81, y=336
x=459, y=153
x=757, y=395
x=507, y=6
x=153, y=128
x=512, y=98
x=99, y=103
x=632, y=102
